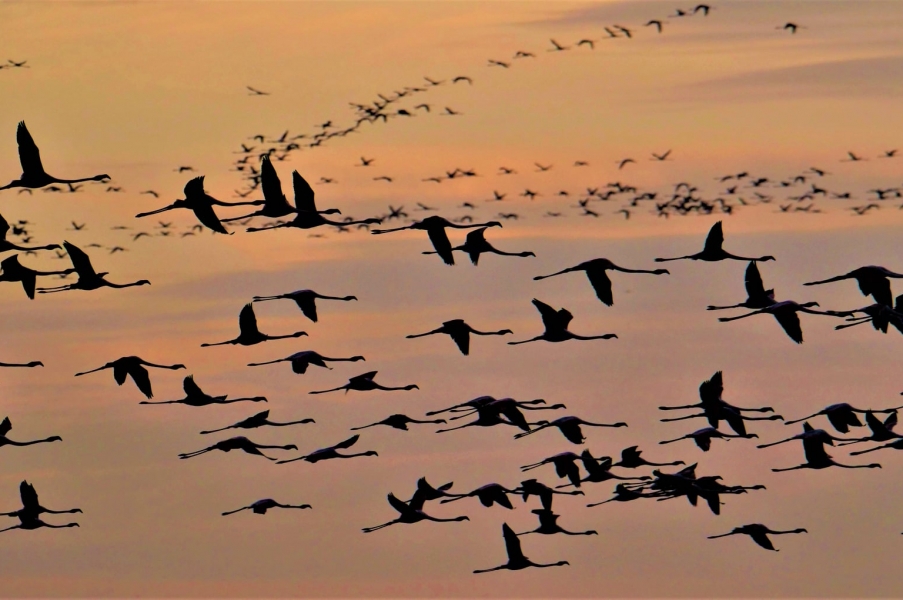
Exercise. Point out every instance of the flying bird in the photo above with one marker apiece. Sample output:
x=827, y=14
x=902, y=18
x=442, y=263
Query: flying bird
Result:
x=712, y=250
x=759, y=534
x=516, y=558
x=301, y=360
x=195, y=396
x=460, y=332
x=249, y=334
x=261, y=419
x=595, y=271
x=262, y=506
x=556, y=326
x=133, y=366
x=88, y=278
x=332, y=452
x=365, y=383
x=305, y=299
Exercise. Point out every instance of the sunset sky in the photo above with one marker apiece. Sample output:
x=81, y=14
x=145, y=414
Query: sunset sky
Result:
x=138, y=89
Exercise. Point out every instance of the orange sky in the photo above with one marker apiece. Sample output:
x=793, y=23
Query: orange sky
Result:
x=139, y=89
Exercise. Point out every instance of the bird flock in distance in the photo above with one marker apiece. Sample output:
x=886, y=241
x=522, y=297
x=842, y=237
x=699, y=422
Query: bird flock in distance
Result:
x=634, y=477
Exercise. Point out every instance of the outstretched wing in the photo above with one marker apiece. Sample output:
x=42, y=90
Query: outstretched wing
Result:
x=304, y=194
x=715, y=239
x=602, y=284
x=440, y=242
x=142, y=380
x=208, y=217
x=551, y=318
x=308, y=306
x=191, y=388
x=476, y=238
x=364, y=377
x=512, y=545
x=790, y=321
x=761, y=538
x=6, y=426
x=270, y=184
x=80, y=261
x=29, y=155
x=347, y=443
x=461, y=337
x=710, y=390
x=29, y=496
x=194, y=187
x=397, y=504
x=247, y=320
x=754, y=286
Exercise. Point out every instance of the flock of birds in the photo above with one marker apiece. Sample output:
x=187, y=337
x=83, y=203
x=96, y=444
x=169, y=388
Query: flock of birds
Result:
x=274, y=211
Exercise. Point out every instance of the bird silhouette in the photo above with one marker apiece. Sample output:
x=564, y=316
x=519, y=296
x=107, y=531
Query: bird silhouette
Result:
x=569, y=428
x=262, y=506
x=34, y=363
x=872, y=281
x=13, y=271
x=195, y=396
x=132, y=366
x=201, y=204
x=31, y=506
x=6, y=426
x=33, y=174
x=759, y=534
x=556, y=325
x=301, y=360
x=238, y=443
x=703, y=437
x=275, y=204
x=786, y=315
x=30, y=524
x=595, y=272
x=756, y=294
x=435, y=227
x=459, y=331
x=516, y=558
x=814, y=441
x=249, y=334
x=365, y=383
x=305, y=299
x=565, y=466
x=548, y=525
x=843, y=416
x=409, y=515
x=332, y=452
x=398, y=421
x=631, y=459
x=476, y=244
x=712, y=250
x=488, y=495
x=261, y=419
x=88, y=278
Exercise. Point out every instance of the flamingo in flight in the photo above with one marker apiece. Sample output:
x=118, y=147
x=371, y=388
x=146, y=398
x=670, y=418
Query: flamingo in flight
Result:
x=33, y=174
x=31, y=506
x=306, y=301
x=30, y=524
x=398, y=421
x=843, y=416
x=365, y=383
x=475, y=244
x=548, y=525
x=262, y=506
x=569, y=428
x=88, y=278
x=818, y=458
x=703, y=437
x=556, y=325
x=759, y=534
x=872, y=281
x=435, y=227
x=409, y=515
x=786, y=314
x=459, y=331
x=238, y=443
x=261, y=419
x=195, y=396
x=301, y=360
x=249, y=334
x=201, y=204
x=6, y=245
x=532, y=487
x=331, y=452
x=6, y=426
x=595, y=272
x=756, y=294
x=631, y=459
x=712, y=250
x=34, y=363
x=13, y=271
x=132, y=366
x=516, y=558
x=489, y=494
x=275, y=205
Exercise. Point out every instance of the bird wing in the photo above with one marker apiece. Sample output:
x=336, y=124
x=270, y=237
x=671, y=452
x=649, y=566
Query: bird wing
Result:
x=194, y=187
x=572, y=433
x=462, y=339
x=512, y=544
x=6, y=426
x=304, y=194
x=247, y=321
x=363, y=377
x=80, y=260
x=710, y=390
x=704, y=442
x=270, y=184
x=754, y=286
x=397, y=504
x=142, y=380
x=29, y=496
x=602, y=284
x=347, y=443
x=29, y=155
x=191, y=388
x=877, y=288
x=440, y=242
x=206, y=215
x=629, y=454
x=790, y=321
x=891, y=421
x=513, y=413
x=551, y=318
x=299, y=366
x=715, y=239
x=10, y=264
x=308, y=307
x=761, y=538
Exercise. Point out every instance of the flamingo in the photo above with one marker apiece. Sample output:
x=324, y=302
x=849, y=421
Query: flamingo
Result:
x=31, y=506
x=33, y=174
x=30, y=524
x=759, y=534
x=34, y=363
x=872, y=281
x=756, y=294
x=843, y=416
x=301, y=360
x=365, y=383
x=6, y=426
x=569, y=428
x=398, y=421
x=882, y=431
x=249, y=334
x=238, y=443
x=275, y=204
x=595, y=272
x=261, y=419
x=786, y=314
x=565, y=466
x=14, y=271
x=489, y=494
x=622, y=494
x=88, y=278
x=548, y=525
x=459, y=331
x=532, y=487
x=435, y=227
x=409, y=515
x=712, y=250
x=817, y=458
x=599, y=470
x=476, y=244
x=132, y=366
x=262, y=506
x=516, y=558
x=331, y=452
x=631, y=459
x=556, y=325
x=201, y=204
x=703, y=437
x=195, y=396
x=305, y=299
